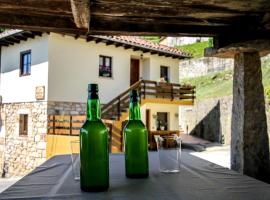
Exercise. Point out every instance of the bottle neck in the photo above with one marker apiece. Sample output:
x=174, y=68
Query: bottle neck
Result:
x=93, y=108
x=134, y=111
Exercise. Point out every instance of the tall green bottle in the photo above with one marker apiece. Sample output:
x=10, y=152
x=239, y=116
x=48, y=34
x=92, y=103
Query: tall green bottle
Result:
x=136, y=142
x=94, y=152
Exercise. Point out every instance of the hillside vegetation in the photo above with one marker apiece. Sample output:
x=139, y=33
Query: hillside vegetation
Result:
x=197, y=49
x=220, y=84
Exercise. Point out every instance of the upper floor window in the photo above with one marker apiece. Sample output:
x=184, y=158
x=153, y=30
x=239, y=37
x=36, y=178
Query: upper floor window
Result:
x=25, y=63
x=164, y=73
x=23, y=128
x=105, y=66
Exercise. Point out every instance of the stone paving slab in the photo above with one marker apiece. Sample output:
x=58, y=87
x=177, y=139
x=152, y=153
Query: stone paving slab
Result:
x=7, y=182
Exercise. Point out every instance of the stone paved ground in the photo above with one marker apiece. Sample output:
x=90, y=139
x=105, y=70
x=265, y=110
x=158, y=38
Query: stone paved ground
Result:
x=219, y=155
x=6, y=182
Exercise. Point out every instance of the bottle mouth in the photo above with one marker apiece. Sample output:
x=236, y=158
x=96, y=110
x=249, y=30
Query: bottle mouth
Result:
x=92, y=87
x=133, y=94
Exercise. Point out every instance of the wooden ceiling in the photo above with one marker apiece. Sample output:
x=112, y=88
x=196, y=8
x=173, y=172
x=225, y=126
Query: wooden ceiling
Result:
x=141, y=17
x=228, y=21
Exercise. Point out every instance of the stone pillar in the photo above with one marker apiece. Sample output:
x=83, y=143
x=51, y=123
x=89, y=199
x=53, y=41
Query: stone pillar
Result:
x=249, y=141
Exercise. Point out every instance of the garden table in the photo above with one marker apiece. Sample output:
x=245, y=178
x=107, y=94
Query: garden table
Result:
x=197, y=180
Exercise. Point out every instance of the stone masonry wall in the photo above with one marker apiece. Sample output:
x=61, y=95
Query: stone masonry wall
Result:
x=211, y=119
x=203, y=66
x=21, y=154
x=66, y=108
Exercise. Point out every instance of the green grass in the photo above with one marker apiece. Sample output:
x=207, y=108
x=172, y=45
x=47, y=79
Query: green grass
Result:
x=197, y=49
x=154, y=39
x=220, y=84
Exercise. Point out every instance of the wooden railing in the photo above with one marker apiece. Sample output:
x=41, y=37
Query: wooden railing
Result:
x=67, y=124
x=147, y=89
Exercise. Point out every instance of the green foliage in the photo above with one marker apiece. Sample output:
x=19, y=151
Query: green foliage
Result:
x=154, y=39
x=267, y=92
x=197, y=49
x=220, y=84
x=212, y=85
x=211, y=42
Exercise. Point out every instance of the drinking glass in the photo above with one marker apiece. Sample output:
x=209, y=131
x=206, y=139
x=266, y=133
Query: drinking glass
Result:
x=169, y=153
x=75, y=158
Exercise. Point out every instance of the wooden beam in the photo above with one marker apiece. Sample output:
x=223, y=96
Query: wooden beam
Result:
x=118, y=45
x=89, y=39
x=12, y=40
x=36, y=7
x=4, y=43
x=98, y=40
x=261, y=46
x=41, y=23
x=28, y=34
x=81, y=13
x=127, y=46
x=136, y=49
x=109, y=43
x=20, y=37
x=145, y=51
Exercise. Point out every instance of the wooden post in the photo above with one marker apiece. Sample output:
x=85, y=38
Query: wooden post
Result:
x=144, y=88
x=249, y=141
x=70, y=125
x=118, y=108
x=54, y=124
x=172, y=92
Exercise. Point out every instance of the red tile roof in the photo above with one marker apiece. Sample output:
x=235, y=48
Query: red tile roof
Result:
x=139, y=42
x=133, y=41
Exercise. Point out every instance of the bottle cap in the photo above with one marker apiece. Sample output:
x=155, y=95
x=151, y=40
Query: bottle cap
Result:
x=92, y=87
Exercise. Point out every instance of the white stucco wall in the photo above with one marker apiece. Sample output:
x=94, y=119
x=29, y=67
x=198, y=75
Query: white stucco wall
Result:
x=74, y=63
x=22, y=89
x=157, y=61
x=172, y=111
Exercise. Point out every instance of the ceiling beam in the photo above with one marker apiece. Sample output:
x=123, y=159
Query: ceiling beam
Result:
x=261, y=45
x=81, y=13
x=20, y=37
x=37, y=7
x=41, y=23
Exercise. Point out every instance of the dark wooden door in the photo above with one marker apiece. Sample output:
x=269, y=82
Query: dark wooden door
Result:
x=147, y=121
x=134, y=71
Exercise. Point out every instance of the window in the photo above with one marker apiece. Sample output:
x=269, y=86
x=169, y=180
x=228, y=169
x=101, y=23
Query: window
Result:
x=105, y=66
x=25, y=66
x=23, y=129
x=164, y=73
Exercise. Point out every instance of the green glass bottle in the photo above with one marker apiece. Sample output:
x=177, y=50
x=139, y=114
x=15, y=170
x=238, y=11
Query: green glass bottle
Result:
x=94, y=152
x=136, y=142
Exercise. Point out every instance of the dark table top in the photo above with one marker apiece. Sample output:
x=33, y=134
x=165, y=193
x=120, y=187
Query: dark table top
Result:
x=197, y=180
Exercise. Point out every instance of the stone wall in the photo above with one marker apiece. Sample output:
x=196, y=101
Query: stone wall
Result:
x=211, y=119
x=203, y=66
x=21, y=154
x=66, y=108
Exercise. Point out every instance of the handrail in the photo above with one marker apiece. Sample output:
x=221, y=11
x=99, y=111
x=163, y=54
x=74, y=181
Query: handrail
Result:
x=146, y=88
x=122, y=94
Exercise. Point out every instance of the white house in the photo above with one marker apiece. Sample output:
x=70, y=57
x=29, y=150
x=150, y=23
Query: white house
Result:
x=46, y=74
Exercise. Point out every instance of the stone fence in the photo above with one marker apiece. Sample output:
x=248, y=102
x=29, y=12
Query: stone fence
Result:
x=203, y=66
x=211, y=119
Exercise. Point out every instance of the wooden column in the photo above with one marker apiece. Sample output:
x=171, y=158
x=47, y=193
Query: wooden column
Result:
x=249, y=141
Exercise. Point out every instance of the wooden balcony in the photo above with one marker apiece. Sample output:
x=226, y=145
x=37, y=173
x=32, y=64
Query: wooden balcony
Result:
x=148, y=90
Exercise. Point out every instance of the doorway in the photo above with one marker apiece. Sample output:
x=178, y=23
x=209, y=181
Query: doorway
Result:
x=164, y=73
x=148, y=118
x=134, y=71
x=162, y=121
